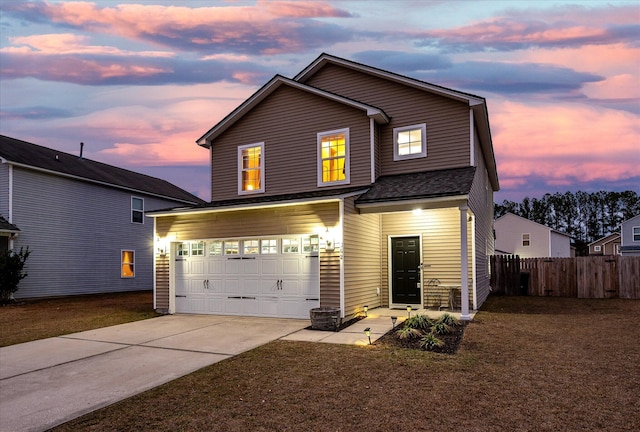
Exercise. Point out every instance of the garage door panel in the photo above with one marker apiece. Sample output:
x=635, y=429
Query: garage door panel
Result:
x=232, y=287
x=250, y=267
x=270, y=266
x=291, y=266
x=215, y=304
x=232, y=266
x=215, y=267
x=269, y=306
x=251, y=286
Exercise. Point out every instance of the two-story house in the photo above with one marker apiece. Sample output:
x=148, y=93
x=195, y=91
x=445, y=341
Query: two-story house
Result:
x=82, y=220
x=529, y=239
x=630, y=237
x=607, y=245
x=343, y=187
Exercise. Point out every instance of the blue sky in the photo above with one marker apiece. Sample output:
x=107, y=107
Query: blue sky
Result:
x=139, y=81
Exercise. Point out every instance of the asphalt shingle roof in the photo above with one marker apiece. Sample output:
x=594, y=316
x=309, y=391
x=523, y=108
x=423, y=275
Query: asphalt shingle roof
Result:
x=422, y=185
x=6, y=226
x=33, y=155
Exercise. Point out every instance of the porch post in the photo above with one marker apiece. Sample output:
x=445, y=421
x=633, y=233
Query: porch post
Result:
x=464, y=264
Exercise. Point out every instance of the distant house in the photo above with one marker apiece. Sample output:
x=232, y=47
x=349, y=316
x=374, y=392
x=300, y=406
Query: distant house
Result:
x=529, y=239
x=345, y=186
x=607, y=245
x=630, y=237
x=82, y=220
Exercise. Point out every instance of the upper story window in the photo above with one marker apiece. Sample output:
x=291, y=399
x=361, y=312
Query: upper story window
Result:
x=137, y=210
x=636, y=234
x=251, y=168
x=127, y=263
x=526, y=239
x=333, y=157
x=410, y=142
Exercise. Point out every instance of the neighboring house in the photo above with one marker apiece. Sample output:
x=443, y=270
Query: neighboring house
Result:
x=342, y=187
x=630, y=237
x=607, y=245
x=529, y=239
x=82, y=220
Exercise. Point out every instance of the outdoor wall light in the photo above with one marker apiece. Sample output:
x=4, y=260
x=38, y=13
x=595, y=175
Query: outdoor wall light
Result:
x=367, y=333
x=393, y=321
x=365, y=308
x=409, y=311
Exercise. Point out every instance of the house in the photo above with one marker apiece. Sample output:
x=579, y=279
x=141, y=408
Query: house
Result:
x=630, y=237
x=607, y=245
x=82, y=220
x=344, y=186
x=529, y=239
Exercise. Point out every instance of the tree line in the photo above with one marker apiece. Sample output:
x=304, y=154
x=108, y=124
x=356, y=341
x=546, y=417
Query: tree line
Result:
x=585, y=216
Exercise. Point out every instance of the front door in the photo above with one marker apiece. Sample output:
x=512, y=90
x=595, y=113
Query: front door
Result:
x=405, y=270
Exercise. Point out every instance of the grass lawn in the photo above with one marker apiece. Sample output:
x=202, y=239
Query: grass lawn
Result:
x=525, y=364
x=38, y=319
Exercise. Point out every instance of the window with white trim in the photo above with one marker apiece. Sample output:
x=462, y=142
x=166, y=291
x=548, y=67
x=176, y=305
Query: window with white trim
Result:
x=251, y=247
x=290, y=245
x=410, y=142
x=333, y=157
x=231, y=247
x=183, y=249
x=197, y=248
x=526, y=239
x=636, y=234
x=215, y=248
x=268, y=246
x=137, y=210
x=310, y=244
x=597, y=248
x=127, y=263
x=251, y=168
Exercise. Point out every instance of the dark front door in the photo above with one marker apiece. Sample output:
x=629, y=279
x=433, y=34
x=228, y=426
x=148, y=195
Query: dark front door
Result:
x=405, y=270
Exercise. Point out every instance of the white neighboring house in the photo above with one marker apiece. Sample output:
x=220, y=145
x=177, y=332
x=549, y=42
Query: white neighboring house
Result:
x=630, y=237
x=82, y=220
x=528, y=239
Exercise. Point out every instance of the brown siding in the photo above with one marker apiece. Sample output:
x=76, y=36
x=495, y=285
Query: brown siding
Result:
x=361, y=259
x=440, y=231
x=447, y=120
x=481, y=204
x=288, y=122
x=162, y=283
x=330, y=279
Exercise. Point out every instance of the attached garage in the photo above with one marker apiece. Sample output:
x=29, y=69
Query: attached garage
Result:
x=275, y=276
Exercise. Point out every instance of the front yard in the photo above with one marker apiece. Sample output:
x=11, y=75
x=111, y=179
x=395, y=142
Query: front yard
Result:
x=525, y=364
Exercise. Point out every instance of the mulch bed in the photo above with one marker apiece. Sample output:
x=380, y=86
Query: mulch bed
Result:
x=451, y=340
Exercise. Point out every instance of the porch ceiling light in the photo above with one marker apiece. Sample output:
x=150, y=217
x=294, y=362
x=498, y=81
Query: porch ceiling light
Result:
x=367, y=333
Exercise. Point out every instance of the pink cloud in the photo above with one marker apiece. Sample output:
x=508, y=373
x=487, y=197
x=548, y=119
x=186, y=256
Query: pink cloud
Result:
x=563, y=142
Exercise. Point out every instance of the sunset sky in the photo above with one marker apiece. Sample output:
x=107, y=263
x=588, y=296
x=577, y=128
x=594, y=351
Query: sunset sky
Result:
x=139, y=81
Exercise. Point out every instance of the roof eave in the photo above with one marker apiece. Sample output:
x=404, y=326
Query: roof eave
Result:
x=385, y=206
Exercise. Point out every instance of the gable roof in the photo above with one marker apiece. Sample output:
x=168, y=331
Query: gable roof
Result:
x=510, y=215
x=606, y=239
x=276, y=82
x=32, y=156
x=476, y=103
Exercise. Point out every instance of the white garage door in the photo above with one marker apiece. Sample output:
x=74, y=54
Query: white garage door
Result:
x=270, y=277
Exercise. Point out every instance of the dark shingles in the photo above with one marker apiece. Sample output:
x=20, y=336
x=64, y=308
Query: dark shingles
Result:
x=422, y=185
x=33, y=155
x=5, y=226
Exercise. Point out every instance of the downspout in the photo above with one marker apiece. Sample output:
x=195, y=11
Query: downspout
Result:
x=11, y=203
x=155, y=264
x=472, y=140
x=372, y=131
x=464, y=267
x=474, y=262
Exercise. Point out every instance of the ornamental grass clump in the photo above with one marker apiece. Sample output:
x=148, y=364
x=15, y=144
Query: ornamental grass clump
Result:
x=421, y=326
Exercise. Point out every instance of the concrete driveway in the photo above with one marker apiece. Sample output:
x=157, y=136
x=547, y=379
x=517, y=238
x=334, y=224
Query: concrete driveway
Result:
x=48, y=382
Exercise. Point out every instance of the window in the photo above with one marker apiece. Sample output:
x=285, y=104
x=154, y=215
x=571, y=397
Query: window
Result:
x=197, y=249
x=137, y=210
x=526, y=239
x=251, y=247
x=310, y=244
x=127, y=264
x=597, y=248
x=269, y=246
x=231, y=247
x=183, y=249
x=250, y=168
x=410, y=142
x=333, y=160
x=215, y=247
x=290, y=245
x=636, y=234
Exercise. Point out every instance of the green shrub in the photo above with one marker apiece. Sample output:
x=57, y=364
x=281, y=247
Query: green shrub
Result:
x=11, y=272
x=407, y=332
x=441, y=328
x=448, y=319
x=430, y=341
x=420, y=322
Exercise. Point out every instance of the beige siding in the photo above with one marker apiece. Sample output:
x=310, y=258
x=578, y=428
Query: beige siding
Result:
x=288, y=122
x=481, y=205
x=299, y=219
x=447, y=120
x=162, y=283
x=361, y=259
x=440, y=231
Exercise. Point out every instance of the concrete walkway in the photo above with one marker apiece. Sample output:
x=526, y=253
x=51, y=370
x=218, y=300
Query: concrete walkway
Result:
x=48, y=382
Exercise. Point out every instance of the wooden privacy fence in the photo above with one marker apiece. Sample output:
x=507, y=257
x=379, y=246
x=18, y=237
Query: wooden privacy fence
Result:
x=582, y=277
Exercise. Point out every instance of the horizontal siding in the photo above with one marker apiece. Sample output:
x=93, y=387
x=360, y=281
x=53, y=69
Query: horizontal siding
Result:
x=440, y=231
x=361, y=259
x=330, y=279
x=76, y=231
x=447, y=120
x=4, y=190
x=162, y=283
x=288, y=122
